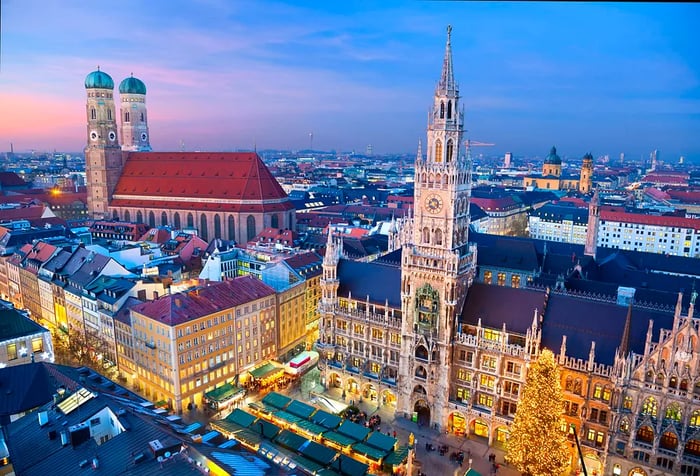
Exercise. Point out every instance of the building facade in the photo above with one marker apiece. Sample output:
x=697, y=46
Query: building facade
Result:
x=186, y=344
x=411, y=330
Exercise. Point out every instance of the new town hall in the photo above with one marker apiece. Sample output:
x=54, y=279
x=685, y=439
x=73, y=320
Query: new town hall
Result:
x=423, y=329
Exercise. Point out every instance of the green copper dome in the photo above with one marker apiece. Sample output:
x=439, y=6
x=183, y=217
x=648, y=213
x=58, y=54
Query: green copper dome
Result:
x=99, y=79
x=132, y=85
x=553, y=158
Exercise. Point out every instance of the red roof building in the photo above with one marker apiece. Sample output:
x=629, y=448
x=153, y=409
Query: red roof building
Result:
x=230, y=195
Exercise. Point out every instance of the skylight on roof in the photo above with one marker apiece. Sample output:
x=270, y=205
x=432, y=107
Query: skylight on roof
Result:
x=75, y=400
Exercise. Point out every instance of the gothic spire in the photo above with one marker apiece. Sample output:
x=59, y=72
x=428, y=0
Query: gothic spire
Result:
x=625, y=341
x=447, y=80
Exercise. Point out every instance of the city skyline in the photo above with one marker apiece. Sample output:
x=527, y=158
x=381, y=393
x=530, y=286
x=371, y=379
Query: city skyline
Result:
x=608, y=78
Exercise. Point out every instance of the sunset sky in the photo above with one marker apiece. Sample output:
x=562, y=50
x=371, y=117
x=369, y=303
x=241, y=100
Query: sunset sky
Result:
x=228, y=75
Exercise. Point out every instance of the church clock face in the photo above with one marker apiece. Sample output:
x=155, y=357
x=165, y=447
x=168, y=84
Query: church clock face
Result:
x=433, y=203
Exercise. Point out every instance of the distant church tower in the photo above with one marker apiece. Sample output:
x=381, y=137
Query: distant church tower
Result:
x=552, y=164
x=103, y=156
x=438, y=266
x=592, y=232
x=585, y=184
x=132, y=93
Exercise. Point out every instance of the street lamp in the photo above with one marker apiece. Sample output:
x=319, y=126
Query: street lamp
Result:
x=572, y=431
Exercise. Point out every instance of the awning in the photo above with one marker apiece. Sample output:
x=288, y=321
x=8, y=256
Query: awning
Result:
x=270, y=369
x=224, y=392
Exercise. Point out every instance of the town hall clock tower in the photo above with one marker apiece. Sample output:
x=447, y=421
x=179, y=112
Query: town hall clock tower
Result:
x=438, y=264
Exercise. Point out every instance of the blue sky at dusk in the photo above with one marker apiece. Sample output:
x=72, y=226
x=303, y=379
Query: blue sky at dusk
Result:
x=227, y=75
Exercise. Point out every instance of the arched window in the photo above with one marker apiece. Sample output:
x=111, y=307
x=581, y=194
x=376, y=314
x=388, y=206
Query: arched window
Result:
x=139, y=217
x=127, y=216
x=420, y=372
x=449, y=109
x=649, y=407
x=673, y=381
x=190, y=221
x=695, y=419
x=151, y=219
x=569, y=385
x=217, y=226
x=115, y=215
x=442, y=110
x=176, y=220
x=231, y=228
x=692, y=447
x=450, y=150
x=275, y=221
x=669, y=441
x=438, y=151
x=164, y=219
x=203, y=232
x=649, y=376
x=93, y=113
x=627, y=403
x=426, y=235
x=109, y=114
x=645, y=434
x=625, y=426
x=250, y=225
x=127, y=117
x=578, y=389
x=142, y=119
x=660, y=377
x=438, y=236
x=674, y=412
x=421, y=353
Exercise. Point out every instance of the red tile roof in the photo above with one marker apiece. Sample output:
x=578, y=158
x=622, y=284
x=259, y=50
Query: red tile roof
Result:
x=615, y=214
x=199, y=180
x=685, y=196
x=179, y=308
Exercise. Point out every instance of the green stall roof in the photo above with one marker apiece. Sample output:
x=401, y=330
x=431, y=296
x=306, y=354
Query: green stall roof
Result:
x=349, y=466
x=381, y=441
x=290, y=440
x=301, y=409
x=266, y=370
x=326, y=420
x=369, y=451
x=342, y=440
x=319, y=453
x=241, y=417
x=224, y=392
x=397, y=457
x=276, y=400
x=353, y=430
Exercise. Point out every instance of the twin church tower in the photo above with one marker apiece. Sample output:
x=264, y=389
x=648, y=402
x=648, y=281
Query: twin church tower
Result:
x=103, y=154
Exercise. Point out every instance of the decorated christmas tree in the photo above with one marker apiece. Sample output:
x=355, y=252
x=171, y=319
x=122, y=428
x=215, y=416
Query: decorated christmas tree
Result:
x=537, y=445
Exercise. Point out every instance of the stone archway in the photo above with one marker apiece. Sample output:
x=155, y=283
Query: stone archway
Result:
x=334, y=380
x=421, y=412
x=352, y=387
x=457, y=424
x=501, y=435
x=388, y=398
x=370, y=392
x=479, y=428
x=593, y=464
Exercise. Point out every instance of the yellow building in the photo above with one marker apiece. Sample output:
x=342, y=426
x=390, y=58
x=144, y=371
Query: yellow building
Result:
x=187, y=344
x=552, y=178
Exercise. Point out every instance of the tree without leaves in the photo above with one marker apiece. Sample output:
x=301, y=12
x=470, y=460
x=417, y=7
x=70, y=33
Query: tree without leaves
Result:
x=537, y=446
